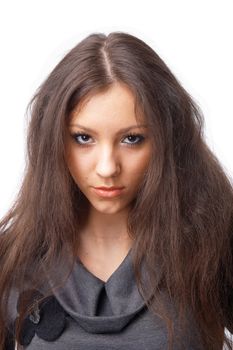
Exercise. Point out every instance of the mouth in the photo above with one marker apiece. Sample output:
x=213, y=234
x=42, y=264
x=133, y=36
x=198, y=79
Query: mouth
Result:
x=108, y=192
x=112, y=188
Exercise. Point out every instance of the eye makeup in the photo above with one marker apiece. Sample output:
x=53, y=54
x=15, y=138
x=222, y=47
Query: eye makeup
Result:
x=79, y=138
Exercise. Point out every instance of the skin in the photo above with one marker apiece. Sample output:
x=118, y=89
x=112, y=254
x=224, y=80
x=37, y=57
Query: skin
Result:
x=107, y=159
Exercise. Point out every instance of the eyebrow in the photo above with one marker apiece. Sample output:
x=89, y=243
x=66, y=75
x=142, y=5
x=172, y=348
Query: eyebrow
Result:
x=118, y=132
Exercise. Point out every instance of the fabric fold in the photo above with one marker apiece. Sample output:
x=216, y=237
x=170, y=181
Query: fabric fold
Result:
x=98, y=306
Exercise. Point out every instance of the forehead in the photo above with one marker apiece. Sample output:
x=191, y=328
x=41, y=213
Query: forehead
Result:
x=116, y=104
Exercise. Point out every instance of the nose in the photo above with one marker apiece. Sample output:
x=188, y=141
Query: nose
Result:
x=108, y=164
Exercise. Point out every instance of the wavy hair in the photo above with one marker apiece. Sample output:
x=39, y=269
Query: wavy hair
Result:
x=182, y=217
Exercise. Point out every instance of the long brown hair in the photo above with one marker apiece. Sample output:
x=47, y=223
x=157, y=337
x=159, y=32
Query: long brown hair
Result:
x=182, y=217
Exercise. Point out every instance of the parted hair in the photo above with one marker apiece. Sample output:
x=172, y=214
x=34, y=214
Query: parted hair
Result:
x=181, y=218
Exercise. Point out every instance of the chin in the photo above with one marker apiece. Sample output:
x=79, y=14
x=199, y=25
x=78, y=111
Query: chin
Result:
x=110, y=208
x=107, y=210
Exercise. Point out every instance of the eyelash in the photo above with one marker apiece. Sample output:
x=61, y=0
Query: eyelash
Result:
x=141, y=139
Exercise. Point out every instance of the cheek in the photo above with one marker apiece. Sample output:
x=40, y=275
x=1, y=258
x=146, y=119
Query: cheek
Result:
x=140, y=163
x=74, y=165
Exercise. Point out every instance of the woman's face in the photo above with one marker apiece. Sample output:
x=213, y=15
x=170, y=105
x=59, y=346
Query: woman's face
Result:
x=100, y=153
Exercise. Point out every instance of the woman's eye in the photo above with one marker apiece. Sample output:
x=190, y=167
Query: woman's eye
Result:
x=134, y=139
x=139, y=139
x=79, y=138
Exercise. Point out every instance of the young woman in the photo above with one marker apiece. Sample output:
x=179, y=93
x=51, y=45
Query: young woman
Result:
x=145, y=262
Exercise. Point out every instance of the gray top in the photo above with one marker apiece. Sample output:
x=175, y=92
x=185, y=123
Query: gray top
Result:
x=104, y=315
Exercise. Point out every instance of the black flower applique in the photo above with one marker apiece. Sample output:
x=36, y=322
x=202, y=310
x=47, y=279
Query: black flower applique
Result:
x=47, y=320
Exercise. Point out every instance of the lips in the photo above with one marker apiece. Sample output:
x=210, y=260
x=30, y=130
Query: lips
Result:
x=109, y=188
x=108, y=192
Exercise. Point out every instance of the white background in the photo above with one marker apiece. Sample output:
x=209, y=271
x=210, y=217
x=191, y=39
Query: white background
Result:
x=193, y=37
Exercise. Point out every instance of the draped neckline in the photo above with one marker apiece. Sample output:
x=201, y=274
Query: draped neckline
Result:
x=101, y=306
